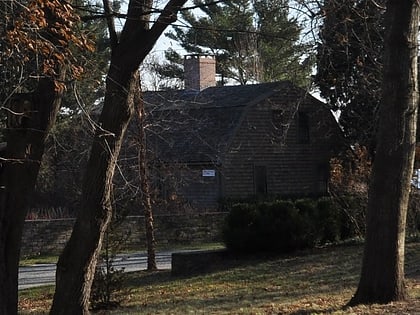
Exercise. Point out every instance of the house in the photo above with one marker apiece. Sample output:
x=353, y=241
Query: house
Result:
x=238, y=141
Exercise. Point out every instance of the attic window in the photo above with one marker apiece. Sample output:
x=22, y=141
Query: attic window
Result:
x=303, y=128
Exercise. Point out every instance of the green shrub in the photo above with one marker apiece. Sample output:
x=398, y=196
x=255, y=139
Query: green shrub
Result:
x=329, y=221
x=308, y=212
x=240, y=231
x=278, y=226
x=281, y=225
x=286, y=225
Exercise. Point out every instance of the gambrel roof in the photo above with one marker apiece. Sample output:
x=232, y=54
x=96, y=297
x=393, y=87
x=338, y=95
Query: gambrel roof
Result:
x=196, y=127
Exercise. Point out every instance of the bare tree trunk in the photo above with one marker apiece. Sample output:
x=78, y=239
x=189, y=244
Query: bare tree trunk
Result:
x=77, y=263
x=382, y=276
x=30, y=118
x=149, y=226
x=145, y=187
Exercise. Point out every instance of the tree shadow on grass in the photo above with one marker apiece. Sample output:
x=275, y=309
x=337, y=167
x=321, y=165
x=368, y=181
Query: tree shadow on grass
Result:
x=329, y=310
x=196, y=263
x=143, y=278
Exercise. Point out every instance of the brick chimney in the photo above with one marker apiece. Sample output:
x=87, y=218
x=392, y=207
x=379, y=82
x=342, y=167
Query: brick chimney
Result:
x=199, y=72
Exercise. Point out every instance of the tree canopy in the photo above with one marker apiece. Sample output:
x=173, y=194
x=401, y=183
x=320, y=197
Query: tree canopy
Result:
x=38, y=37
x=349, y=65
x=253, y=41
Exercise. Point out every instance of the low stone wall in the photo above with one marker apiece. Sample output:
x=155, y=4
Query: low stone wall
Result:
x=50, y=236
x=45, y=236
x=197, y=262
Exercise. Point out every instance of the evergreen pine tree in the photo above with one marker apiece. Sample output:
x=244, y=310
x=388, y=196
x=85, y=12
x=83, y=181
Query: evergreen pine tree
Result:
x=253, y=41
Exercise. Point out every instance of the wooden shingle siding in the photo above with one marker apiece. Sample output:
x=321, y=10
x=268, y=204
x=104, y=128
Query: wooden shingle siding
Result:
x=293, y=168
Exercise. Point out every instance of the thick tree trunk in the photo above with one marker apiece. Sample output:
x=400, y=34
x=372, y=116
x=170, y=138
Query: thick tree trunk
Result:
x=77, y=263
x=382, y=276
x=30, y=118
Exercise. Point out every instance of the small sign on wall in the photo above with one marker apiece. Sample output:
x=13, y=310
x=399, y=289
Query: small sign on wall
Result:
x=208, y=173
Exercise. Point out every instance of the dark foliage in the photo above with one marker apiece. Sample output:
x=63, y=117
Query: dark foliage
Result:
x=413, y=215
x=283, y=226
x=349, y=65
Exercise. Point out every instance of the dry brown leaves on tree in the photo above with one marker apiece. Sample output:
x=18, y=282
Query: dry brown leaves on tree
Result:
x=47, y=33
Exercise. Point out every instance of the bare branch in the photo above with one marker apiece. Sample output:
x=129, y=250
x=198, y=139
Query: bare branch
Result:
x=168, y=16
x=111, y=25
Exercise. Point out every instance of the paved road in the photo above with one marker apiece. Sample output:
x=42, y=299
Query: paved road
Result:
x=44, y=274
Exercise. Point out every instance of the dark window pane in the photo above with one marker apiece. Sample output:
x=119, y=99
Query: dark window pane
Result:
x=303, y=128
x=260, y=180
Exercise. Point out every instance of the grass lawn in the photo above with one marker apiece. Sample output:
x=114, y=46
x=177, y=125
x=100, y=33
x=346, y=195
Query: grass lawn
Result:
x=318, y=281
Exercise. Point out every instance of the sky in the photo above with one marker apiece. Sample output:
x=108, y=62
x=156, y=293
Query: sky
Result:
x=158, y=52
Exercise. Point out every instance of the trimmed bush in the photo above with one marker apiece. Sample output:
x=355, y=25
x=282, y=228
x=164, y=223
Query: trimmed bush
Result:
x=329, y=221
x=308, y=212
x=282, y=226
x=240, y=231
x=278, y=226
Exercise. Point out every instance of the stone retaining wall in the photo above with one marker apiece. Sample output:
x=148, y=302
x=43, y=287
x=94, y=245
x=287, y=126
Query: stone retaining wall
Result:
x=198, y=262
x=50, y=236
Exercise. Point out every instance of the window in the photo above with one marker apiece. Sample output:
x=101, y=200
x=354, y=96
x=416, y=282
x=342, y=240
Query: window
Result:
x=303, y=128
x=260, y=180
x=323, y=177
x=162, y=187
